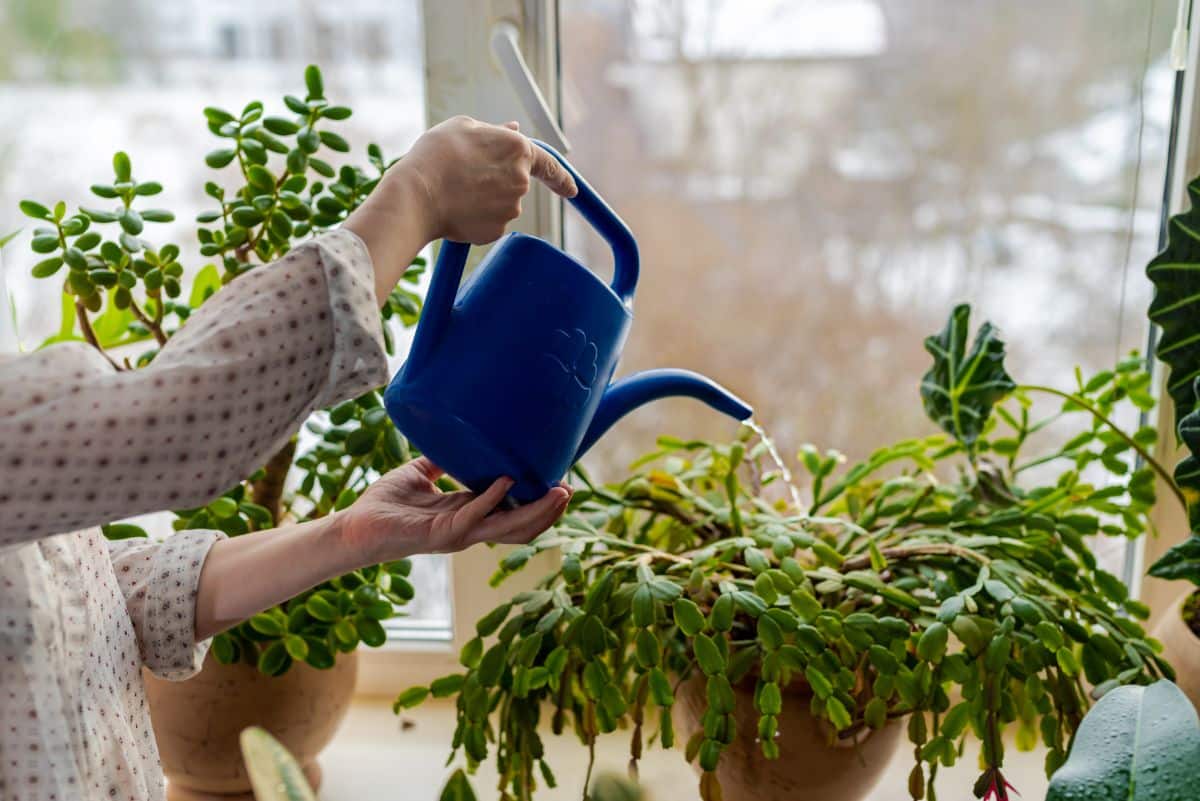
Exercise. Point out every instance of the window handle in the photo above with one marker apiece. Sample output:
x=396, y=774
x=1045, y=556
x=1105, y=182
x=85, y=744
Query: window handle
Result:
x=506, y=49
x=1179, y=37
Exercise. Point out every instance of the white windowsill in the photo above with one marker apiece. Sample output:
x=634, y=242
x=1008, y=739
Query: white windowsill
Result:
x=377, y=756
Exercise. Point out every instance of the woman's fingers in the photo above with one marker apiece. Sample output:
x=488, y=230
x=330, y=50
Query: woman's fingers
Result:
x=479, y=507
x=546, y=169
x=524, y=523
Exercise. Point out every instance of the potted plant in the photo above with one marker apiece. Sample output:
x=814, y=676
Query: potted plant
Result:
x=290, y=669
x=942, y=588
x=1174, y=310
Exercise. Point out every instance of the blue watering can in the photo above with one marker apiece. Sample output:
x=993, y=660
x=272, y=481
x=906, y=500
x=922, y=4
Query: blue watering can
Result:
x=509, y=374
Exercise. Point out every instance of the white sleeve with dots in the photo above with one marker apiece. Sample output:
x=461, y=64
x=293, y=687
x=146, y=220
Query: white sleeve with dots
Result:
x=83, y=444
x=159, y=582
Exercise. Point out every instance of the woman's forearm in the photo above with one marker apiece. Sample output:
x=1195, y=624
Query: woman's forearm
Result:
x=394, y=225
x=245, y=575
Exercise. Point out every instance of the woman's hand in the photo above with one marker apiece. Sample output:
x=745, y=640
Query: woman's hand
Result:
x=404, y=513
x=463, y=180
x=475, y=174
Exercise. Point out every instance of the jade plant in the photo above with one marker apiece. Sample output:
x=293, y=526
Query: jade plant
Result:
x=946, y=584
x=126, y=293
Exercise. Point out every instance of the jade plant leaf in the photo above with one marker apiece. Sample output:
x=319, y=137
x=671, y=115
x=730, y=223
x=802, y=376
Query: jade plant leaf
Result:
x=1137, y=744
x=963, y=385
x=1180, y=562
x=274, y=773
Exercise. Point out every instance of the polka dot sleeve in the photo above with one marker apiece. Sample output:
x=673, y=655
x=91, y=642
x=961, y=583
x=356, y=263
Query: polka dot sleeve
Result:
x=82, y=444
x=159, y=583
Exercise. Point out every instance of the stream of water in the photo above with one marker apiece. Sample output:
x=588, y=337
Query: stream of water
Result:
x=773, y=452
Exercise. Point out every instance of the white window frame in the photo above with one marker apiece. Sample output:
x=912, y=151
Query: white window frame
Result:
x=461, y=77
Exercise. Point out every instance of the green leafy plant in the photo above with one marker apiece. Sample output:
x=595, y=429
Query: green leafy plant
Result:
x=122, y=291
x=946, y=581
x=1137, y=743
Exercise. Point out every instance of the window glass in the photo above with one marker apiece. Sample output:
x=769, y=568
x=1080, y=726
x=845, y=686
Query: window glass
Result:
x=79, y=81
x=815, y=183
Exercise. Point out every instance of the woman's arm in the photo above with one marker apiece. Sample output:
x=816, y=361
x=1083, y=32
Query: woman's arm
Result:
x=83, y=444
x=400, y=515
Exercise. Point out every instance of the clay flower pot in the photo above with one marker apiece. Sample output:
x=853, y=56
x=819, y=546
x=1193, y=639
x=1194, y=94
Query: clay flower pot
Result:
x=807, y=768
x=1181, y=647
x=197, y=722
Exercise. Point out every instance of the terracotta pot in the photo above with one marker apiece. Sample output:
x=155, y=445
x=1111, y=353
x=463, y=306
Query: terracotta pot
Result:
x=1181, y=647
x=808, y=766
x=197, y=722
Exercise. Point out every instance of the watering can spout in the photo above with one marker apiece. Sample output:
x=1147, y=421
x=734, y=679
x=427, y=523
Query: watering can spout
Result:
x=439, y=302
x=633, y=391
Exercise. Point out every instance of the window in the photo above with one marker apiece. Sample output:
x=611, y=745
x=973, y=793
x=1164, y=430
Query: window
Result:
x=229, y=38
x=326, y=41
x=375, y=41
x=140, y=86
x=278, y=40
x=815, y=183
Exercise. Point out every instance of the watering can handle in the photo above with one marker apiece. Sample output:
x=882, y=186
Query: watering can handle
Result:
x=606, y=222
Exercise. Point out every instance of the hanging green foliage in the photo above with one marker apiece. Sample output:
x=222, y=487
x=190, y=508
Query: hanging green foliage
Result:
x=936, y=581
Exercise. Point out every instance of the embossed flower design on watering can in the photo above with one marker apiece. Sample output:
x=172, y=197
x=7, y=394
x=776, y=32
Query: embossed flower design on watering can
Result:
x=576, y=357
x=502, y=373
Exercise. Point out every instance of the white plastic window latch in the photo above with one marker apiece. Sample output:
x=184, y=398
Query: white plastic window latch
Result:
x=1179, y=38
x=506, y=50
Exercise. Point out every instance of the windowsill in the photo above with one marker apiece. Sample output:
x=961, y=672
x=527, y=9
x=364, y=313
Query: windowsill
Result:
x=377, y=755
